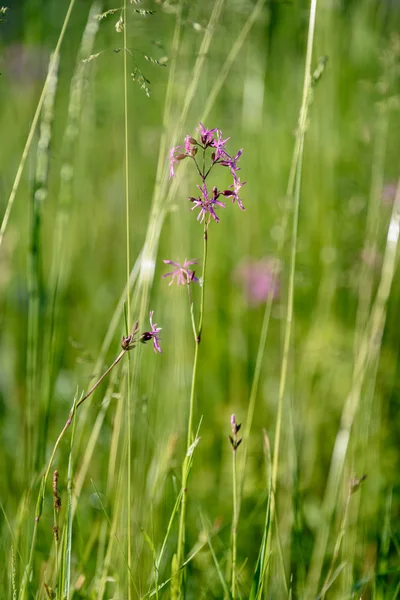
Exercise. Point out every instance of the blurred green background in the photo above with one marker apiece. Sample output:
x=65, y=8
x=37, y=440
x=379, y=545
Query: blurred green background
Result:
x=63, y=271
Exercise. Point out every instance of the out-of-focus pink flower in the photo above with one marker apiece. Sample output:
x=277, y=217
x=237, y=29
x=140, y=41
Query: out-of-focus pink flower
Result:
x=259, y=278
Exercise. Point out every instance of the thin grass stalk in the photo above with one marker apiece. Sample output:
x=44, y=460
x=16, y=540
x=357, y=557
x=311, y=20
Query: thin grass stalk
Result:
x=362, y=431
x=254, y=392
x=335, y=555
x=34, y=123
x=120, y=545
x=293, y=191
x=56, y=528
x=185, y=465
x=39, y=194
x=66, y=583
x=369, y=351
x=174, y=574
x=214, y=557
x=255, y=14
x=176, y=508
x=257, y=587
x=119, y=505
x=230, y=59
x=128, y=301
x=13, y=575
x=113, y=487
x=28, y=569
x=234, y=524
x=59, y=265
x=150, y=543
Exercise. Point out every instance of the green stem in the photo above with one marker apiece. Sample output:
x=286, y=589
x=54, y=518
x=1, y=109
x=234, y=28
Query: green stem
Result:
x=234, y=524
x=203, y=280
x=35, y=121
x=293, y=191
x=191, y=306
x=128, y=302
x=187, y=462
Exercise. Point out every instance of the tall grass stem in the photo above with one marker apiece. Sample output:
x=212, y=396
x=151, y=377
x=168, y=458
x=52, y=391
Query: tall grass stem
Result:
x=34, y=123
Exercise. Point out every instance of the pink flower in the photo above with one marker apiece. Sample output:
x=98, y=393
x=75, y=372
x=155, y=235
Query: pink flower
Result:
x=207, y=204
x=182, y=274
x=259, y=280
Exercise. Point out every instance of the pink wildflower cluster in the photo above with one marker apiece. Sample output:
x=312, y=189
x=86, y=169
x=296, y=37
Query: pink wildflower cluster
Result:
x=209, y=140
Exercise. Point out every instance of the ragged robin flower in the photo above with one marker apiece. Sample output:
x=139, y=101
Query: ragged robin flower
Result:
x=234, y=192
x=182, y=273
x=211, y=140
x=206, y=204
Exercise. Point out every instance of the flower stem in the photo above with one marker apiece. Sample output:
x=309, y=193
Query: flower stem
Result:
x=187, y=462
x=203, y=281
x=128, y=301
x=234, y=524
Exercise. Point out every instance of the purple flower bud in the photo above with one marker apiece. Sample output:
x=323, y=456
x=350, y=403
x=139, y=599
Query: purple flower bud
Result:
x=152, y=335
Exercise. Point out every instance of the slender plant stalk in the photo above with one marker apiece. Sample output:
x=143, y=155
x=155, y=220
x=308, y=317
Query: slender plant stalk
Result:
x=234, y=524
x=68, y=534
x=336, y=550
x=35, y=121
x=362, y=430
x=128, y=302
x=293, y=191
x=39, y=194
x=60, y=246
x=187, y=461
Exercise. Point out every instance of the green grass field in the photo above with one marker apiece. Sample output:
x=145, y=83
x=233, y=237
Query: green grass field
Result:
x=295, y=318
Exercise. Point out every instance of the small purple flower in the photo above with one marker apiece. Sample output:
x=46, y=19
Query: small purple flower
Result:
x=206, y=135
x=207, y=204
x=231, y=162
x=172, y=160
x=236, y=185
x=187, y=144
x=152, y=335
x=182, y=274
x=235, y=442
x=219, y=145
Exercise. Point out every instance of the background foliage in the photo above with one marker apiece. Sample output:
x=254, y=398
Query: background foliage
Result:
x=63, y=271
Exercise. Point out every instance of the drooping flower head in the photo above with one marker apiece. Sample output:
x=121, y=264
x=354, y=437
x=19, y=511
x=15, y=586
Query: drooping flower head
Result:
x=152, y=335
x=182, y=274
